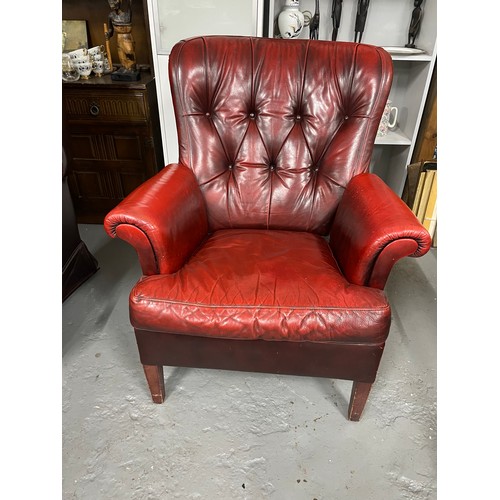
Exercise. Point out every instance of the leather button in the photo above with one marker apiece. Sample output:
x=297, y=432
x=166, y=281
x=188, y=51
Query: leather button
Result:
x=230, y=167
x=207, y=114
x=271, y=168
x=252, y=115
x=346, y=117
x=298, y=118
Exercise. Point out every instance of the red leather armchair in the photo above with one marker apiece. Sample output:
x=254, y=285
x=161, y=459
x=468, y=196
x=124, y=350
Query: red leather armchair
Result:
x=267, y=246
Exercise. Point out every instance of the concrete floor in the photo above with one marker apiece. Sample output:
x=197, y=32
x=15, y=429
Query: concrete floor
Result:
x=231, y=435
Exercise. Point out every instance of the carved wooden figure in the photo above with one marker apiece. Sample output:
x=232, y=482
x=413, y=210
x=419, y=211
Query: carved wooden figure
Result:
x=416, y=19
x=359, y=26
x=336, y=14
x=314, y=25
x=120, y=21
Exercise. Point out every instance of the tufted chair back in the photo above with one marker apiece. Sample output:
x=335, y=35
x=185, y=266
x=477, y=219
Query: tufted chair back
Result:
x=275, y=129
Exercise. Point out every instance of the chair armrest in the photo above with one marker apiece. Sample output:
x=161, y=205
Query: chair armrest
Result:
x=372, y=229
x=164, y=219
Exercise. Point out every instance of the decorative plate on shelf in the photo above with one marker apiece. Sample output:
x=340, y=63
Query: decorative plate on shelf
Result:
x=403, y=50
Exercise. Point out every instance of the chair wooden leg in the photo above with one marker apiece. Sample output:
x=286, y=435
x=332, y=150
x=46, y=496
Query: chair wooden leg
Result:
x=156, y=382
x=359, y=395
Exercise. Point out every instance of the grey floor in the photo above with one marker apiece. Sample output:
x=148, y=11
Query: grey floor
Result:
x=231, y=435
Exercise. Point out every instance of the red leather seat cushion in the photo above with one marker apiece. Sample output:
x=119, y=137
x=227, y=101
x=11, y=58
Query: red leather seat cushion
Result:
x=261, y=284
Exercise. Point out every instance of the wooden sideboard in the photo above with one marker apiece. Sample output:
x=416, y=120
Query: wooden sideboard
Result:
x=112, y=139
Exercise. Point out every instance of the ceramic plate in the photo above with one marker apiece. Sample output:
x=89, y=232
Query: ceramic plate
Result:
x=403, y=50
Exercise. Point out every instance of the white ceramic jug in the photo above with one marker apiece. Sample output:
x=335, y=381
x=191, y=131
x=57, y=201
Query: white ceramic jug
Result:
x=389, y=119
x=290, y=20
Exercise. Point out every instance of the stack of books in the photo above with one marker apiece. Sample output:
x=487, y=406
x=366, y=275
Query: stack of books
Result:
x=420, y=194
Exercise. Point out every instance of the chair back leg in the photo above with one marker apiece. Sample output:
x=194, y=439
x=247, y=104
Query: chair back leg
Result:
x=156, y=382
x=359, y=395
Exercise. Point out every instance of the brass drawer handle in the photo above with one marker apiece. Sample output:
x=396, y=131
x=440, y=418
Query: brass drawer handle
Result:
x=94, y=109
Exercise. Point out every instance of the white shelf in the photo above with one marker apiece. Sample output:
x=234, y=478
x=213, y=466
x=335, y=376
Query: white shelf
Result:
x=394, y=138
x=416, y=57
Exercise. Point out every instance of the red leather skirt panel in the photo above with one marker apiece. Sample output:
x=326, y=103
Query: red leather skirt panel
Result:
x=228, y=290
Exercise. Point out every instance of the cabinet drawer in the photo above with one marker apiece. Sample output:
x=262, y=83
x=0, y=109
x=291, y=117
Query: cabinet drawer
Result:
x=111, y=106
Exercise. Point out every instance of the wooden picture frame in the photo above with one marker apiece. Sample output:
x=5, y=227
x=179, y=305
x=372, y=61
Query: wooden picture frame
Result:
x=74, y=35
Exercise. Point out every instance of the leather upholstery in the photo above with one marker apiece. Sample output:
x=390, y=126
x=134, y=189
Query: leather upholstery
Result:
x=369, y=219
x=269, y=228
x=164, y=219
x=273, y=144
x=281, y=147
x=254, y=284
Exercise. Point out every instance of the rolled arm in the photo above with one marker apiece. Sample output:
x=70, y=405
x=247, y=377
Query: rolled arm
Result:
x=372, y=229
x=164, y=219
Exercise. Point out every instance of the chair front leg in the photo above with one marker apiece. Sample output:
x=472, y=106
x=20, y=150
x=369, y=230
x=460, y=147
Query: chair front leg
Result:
x=156, y=382
x=359, y=395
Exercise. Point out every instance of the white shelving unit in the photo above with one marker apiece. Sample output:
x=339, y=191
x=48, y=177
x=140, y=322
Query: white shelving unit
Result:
x=387, y=26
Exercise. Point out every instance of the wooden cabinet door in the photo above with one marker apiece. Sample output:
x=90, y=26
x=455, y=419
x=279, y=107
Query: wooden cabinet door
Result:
x=111, y=136
x=106, y=166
